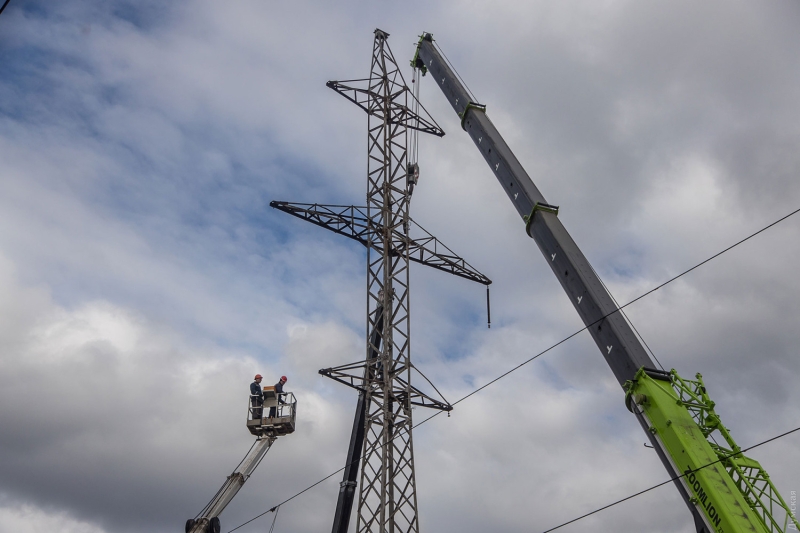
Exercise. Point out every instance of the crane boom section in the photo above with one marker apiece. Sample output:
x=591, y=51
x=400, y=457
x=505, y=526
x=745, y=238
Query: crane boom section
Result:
x=609, y=329
x=724, y=490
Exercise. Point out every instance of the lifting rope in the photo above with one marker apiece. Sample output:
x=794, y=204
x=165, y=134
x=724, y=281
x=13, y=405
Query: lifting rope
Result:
x=627, y=318
x=413, y=158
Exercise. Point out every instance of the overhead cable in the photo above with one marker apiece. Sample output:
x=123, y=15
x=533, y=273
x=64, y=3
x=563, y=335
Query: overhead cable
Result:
x=690, y=471
x=562, y=341
x=213, y=498
x=627, y=318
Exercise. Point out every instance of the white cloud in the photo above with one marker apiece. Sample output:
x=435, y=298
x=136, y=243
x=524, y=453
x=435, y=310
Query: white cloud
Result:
x=143, y=278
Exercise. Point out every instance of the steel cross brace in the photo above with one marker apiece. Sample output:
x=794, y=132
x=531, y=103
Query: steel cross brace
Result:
x=352, y=222
x=367, y=99
x=345, y=374
x=381, y=440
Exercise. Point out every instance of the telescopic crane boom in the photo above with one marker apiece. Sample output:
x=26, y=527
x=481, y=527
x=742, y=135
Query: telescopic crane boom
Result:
x=734, y=493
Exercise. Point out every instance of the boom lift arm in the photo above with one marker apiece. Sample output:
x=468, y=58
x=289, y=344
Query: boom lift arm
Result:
x=734, y=494
x=208, y=521
x=282, y=409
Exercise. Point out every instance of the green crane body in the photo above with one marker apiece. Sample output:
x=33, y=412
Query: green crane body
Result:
x=725, y=491
x=732, y=490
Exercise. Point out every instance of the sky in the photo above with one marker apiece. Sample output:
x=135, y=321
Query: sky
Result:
x=144, y=279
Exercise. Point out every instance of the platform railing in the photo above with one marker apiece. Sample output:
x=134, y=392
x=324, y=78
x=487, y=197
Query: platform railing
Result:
x=285, y=406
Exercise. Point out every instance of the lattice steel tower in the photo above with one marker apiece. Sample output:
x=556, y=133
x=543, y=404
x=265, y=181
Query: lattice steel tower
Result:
x=382, y=436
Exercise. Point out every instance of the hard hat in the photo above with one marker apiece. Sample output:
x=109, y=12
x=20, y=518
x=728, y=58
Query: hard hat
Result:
x=283, y=378
x=258, y=376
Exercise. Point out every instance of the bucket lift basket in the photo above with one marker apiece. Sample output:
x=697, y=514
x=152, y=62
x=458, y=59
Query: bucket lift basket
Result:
x=282, y=407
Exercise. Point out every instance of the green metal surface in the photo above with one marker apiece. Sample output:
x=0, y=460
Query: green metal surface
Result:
x=415, y=61
x=538, y=206
x=731, y=490
x=470, y=105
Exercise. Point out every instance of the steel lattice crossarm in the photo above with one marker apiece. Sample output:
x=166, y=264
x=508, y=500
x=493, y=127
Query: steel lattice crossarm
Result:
x=381, y=439
x=352, y=222
x=352, y=375
x=373, y=103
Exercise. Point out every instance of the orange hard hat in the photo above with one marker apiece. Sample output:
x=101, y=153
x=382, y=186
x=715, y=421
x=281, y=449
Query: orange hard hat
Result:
x=258, y=376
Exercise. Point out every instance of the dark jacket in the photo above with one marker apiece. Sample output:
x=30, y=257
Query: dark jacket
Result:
x=256, y=394
x=279, y=391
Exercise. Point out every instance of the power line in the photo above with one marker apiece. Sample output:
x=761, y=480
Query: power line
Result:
x=628, y=319
x=670, y=480
x=562, y=341
x=324, y=479
x=4, y=6
x=211, y=501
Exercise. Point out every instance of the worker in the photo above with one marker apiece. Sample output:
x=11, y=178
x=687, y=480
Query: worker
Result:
x=256, y=398
x=279, y=392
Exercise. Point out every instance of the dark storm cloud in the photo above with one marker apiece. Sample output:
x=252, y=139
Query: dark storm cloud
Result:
x=139, y=261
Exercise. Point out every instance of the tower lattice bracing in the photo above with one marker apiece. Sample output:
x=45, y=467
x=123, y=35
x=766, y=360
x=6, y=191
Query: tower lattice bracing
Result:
x=388, y=498
x=382, y=444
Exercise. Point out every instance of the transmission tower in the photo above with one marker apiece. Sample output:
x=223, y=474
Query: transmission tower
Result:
x=382, y=429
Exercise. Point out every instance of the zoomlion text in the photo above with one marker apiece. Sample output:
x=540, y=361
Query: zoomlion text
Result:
x=702, y=498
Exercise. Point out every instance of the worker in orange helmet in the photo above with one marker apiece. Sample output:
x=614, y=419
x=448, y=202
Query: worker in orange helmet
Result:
x=256, y=398
x=279, y=392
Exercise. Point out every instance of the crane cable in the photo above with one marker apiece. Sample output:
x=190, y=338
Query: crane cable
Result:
x=627, y=318
x=453, y=68
x=414, y=151
x=562, y=341
x=415, y=83
x=4, y=6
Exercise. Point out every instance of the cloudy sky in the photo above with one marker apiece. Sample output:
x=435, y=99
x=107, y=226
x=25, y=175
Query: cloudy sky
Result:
x=144, y=278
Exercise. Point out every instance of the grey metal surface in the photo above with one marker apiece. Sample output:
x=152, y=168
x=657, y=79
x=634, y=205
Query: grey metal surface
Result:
x=611, y=332
x=352, y=222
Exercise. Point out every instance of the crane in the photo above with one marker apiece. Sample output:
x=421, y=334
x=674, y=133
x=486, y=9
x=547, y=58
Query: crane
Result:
x=283, y=408
x=724, y=490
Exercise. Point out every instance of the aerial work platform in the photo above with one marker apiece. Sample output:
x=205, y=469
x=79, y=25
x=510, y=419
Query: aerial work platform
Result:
x=282, y=407
x=276, y=417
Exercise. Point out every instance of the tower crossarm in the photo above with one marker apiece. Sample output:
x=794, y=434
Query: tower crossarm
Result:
x=352, y=222
x=372, y=101
x=348, y=220
x=353, y=376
